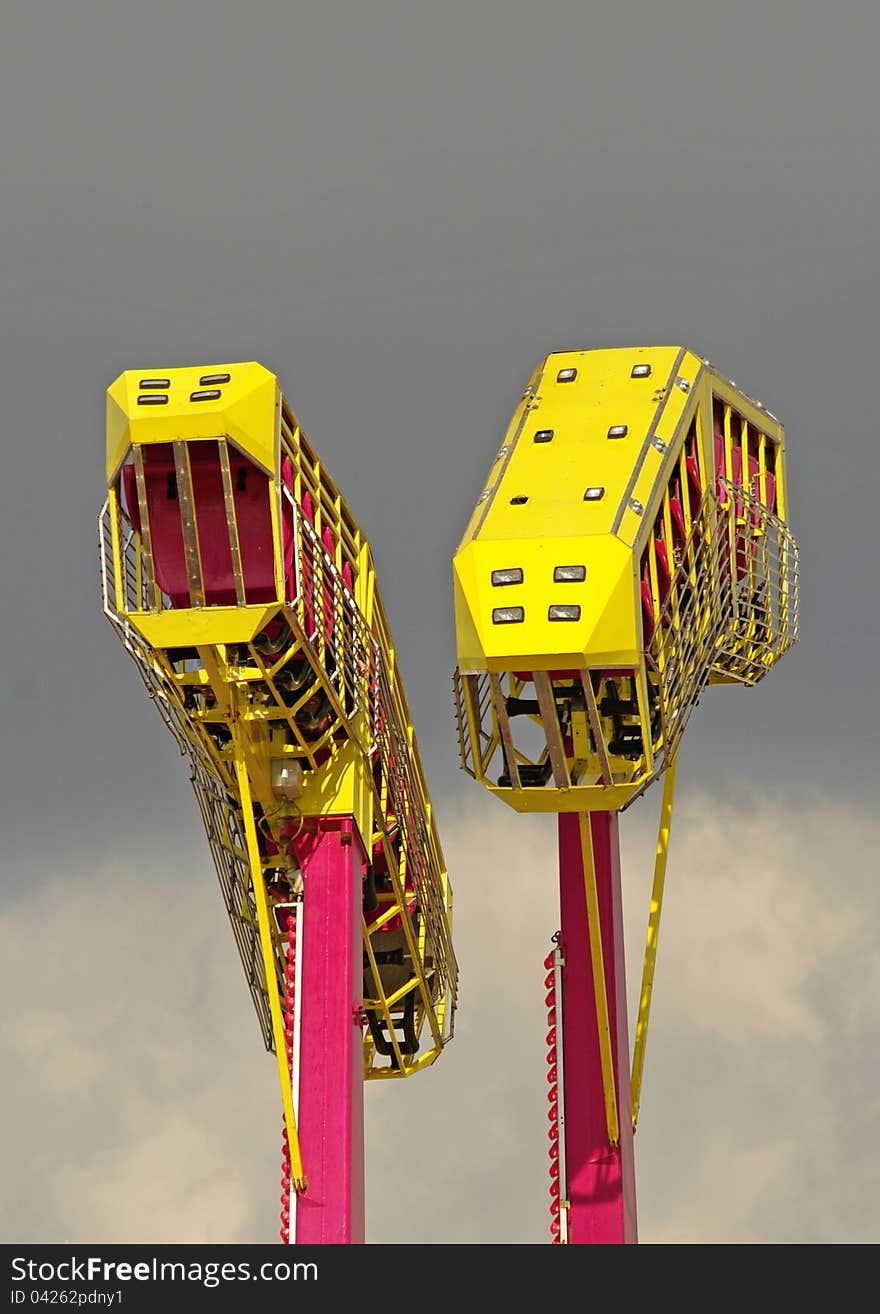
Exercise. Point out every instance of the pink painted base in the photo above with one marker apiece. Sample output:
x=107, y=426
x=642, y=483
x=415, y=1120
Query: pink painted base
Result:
x=600, y=1178
x=331, y=1087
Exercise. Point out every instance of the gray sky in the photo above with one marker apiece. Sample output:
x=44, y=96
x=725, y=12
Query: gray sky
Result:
x=401, y=209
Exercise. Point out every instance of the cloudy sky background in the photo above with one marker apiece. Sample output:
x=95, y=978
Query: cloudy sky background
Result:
x=400, y=208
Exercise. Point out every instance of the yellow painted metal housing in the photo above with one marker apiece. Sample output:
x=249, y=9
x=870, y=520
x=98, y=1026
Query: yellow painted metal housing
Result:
x=629, y=547
x=269, y=657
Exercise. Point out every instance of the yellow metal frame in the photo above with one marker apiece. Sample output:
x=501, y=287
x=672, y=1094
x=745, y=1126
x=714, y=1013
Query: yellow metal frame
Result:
x=226, y=707
x=647, y=987
x=573, y=622
x=269, y=963
x=628, y=435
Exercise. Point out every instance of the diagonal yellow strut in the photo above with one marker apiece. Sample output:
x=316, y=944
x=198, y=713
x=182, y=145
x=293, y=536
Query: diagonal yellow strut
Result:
x=598, y=964
x=250, y=830
x=653, y=933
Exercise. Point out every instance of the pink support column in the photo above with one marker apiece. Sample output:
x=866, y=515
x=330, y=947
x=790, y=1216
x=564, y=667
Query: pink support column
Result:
x=600, y=1178
x=331, y=1084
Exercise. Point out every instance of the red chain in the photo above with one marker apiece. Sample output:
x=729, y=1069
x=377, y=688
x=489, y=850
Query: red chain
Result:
x=289, y=995
x=553, y=1098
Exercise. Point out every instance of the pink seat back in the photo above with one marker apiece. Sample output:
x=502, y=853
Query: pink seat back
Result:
x=250, y=492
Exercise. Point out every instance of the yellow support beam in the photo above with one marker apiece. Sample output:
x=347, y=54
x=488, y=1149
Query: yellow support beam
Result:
x=597, y=959
x=268, y=958
x=653, y=935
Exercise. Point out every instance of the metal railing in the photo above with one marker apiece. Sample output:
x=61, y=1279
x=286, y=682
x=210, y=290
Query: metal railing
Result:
x=763, y=567
x=696, y=613
x=329, y=620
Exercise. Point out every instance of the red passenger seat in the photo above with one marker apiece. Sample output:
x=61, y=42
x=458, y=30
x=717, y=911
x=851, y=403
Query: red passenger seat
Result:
x=648, y=620
x=720, y=465
x=250, y=492
x=679, y=530
x=695, y=486
x=664, y=575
